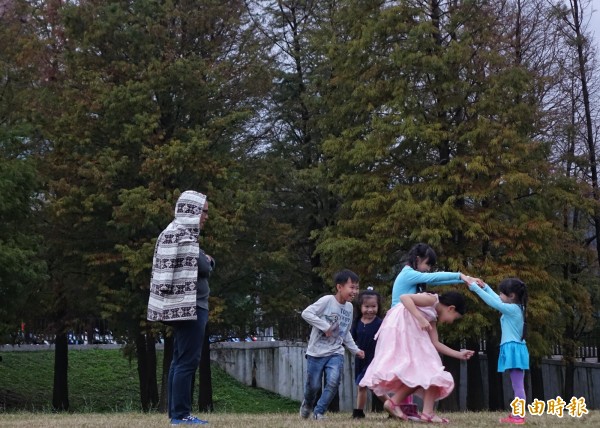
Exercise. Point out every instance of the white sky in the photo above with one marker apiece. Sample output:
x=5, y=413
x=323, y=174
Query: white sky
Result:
x=594, y=25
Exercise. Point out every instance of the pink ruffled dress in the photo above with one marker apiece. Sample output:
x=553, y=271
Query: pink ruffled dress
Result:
x=405, y=355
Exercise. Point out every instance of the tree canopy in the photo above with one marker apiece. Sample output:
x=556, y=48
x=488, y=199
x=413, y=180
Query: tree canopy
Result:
x=327, y=135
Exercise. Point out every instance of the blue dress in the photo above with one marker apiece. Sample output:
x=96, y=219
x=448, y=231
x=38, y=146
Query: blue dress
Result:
x=364, y=337
x=513, y=349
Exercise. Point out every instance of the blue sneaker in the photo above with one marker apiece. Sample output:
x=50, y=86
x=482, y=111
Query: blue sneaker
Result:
x=188, y=420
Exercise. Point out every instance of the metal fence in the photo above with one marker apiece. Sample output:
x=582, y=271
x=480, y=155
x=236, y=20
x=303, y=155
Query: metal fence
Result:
x=587, y=349
x=290, y=328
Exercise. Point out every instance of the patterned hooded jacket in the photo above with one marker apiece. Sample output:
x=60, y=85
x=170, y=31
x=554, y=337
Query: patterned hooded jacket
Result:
x=175, y=263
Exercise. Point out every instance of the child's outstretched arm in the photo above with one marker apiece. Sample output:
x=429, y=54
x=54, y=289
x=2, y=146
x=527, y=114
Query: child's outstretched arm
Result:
x=408, y=278
x=465, y=354
x=492, y=299
x=411, y=301
x=413, y=276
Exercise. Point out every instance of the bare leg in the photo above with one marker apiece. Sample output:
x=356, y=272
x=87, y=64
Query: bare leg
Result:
x=429, y=400
x=400, y=394
x=392, y=405
x=382, y=398
x=361, y=397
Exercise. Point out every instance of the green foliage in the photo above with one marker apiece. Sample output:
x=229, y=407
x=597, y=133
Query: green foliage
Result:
x=22, y=269
x=158, y=98
x=325, y=134
x=447, y=155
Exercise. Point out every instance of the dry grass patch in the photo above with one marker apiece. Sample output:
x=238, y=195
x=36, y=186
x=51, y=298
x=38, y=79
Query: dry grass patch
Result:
x=273, y=420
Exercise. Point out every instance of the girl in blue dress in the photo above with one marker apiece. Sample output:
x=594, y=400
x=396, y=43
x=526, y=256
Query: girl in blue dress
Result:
x=364, y=330
x=514, y=356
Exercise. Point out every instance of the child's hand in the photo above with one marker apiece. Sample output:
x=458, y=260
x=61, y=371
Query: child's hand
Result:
x=424, y=324
x=361, y=354
x=465, y=354
x=479, y=282
x=470, y=280
x=467, y=279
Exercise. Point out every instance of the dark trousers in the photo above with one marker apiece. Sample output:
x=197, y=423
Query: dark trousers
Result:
x=188, y=337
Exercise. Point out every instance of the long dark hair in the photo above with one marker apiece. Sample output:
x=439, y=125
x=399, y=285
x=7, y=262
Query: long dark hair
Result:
x=424, y=252
x=517, y=287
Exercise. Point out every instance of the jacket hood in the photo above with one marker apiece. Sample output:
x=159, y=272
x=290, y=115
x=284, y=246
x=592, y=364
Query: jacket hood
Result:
x=188, y=209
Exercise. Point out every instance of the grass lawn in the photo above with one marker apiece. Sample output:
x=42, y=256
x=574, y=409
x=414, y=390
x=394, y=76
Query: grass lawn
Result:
x=102, y=380
x=274, y=420
x=104, y=393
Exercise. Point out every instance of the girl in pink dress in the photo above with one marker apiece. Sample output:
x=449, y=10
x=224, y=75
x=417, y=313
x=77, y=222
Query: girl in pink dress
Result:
x=407, y=359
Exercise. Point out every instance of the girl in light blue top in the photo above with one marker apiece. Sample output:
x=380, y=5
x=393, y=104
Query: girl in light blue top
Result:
x=514, y=356
x=415, y=275
x=413, y=279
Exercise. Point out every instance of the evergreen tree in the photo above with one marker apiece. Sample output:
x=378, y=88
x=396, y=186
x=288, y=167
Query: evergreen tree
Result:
x=155, y=98
x=23, y=271
x=447, y=155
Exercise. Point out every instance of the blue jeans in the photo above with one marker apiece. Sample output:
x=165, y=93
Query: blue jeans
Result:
x=188, y=337
x=332, y=367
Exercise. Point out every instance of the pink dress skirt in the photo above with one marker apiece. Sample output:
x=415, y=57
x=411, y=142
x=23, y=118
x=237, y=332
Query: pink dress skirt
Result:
x=405, y=355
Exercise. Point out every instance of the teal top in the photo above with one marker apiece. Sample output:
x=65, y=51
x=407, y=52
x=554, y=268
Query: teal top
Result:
x=511, y=321
x=407, y=280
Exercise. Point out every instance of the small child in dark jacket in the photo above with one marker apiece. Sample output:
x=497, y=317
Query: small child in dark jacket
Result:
x=364, y=330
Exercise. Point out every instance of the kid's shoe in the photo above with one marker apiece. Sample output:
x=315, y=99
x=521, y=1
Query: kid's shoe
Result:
x=188, y=420
x=319, y=417
x=304, y=410
x=358, y=414
x=511, y=419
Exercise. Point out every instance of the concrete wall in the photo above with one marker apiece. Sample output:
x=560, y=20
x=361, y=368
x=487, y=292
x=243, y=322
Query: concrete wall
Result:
x=277, y=366
x=280, y=367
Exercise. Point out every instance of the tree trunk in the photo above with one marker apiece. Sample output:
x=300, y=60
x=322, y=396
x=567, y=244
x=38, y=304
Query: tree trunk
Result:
x=166, y=366
x=569, y=350
x=152, y=381
x=60, y=390
x=569, y=379
x=537, y=382
x=205, y=396
x=496, y=390
x=146, y=357
x=142, y=365
x=376, y=404
x=452, y=402
x=582, y=62
x=474, y=385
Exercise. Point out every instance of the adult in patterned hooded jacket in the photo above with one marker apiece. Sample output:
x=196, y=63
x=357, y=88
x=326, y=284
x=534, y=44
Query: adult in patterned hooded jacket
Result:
x=179, y=297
